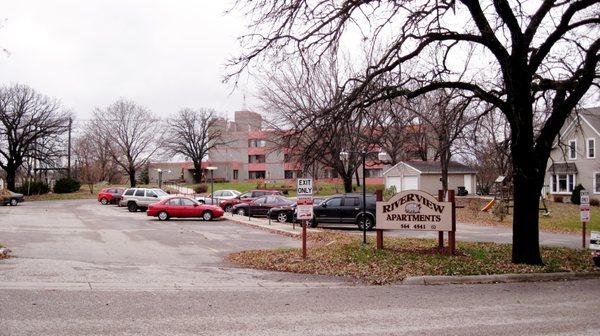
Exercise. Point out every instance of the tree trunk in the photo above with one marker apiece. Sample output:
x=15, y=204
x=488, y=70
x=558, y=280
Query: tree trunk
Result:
x=347, y=183
x=526, y=194
x=197, y=173
x=528, y=174
x=357, y=178
x=11, y=177
x=132, y=178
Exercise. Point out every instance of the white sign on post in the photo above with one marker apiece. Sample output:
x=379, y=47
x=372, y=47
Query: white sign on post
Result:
x=414, y=210
x=1, y=184
x=304, y=208
x=584, y=206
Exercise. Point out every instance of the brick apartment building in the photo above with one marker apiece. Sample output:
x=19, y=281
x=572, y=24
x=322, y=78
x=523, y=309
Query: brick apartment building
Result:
x=248, y=155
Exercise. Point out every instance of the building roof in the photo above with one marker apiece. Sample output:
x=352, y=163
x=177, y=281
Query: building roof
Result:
x=563, y=167
x=434, y=167
x=592, y=115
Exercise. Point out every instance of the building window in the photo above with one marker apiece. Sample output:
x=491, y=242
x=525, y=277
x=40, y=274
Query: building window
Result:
x=591, y=148
x=256, y=143
x=378, y=172
x=287, y=158
x=563, y=183
x=288, y=174
x=572, y=150
x=259, y=174
x=256, y=159
x=235, y=174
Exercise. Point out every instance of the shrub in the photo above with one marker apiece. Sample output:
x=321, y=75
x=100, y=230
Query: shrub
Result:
x=200, y=189
x=33, y=188
x=594, y=202
x=557, y=198
x=576, y=195
x=389, y=192
x=66, y=185
x=171, y=191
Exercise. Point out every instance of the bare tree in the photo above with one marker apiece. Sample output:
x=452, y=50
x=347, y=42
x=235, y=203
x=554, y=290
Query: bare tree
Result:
x=537, y=61
x=295, y=100
x=88, y=167
x=193, y=133
x=31, y=125
x=131, y=132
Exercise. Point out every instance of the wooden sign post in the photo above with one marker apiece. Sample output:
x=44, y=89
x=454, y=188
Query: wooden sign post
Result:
x=584, y=210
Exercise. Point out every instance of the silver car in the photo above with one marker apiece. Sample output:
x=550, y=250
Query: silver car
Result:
x=218, y=196
x=141, y=198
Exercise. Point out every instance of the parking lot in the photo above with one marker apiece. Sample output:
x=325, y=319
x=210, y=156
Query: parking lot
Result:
x=82, y=244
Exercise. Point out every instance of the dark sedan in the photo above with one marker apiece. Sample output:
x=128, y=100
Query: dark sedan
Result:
x=288, y=213
x=261, y=205
x=10, y=197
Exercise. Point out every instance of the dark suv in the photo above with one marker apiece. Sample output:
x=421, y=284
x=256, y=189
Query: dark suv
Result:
x=344, y=209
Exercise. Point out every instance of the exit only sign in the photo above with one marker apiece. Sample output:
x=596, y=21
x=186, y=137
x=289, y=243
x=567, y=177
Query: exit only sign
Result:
x=304, y=187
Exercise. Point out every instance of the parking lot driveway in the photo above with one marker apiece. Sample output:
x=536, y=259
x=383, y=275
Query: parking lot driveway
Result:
x=82, y=244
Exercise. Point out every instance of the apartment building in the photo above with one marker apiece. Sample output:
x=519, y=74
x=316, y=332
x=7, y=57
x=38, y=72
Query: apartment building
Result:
x=249, y=155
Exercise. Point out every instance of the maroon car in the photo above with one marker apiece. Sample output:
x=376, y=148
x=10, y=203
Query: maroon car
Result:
x=110, y=195
x=261, y=205
x=247, y=197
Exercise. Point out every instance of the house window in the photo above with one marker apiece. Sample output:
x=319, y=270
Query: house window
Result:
x=260, y=174
x=563, y=183
x=287, y=158
x=256, y=159
x=288, y=174
x=235, y=174
x=572, y=149
x=597, y=183
x=591, y=148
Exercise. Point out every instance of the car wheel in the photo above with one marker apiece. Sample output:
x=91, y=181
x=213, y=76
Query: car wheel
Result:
x=282, y=217
x=163, y=216
x=368, y=222
x=241, y=212
x=228, y=208
x=132, y=207
x=313, y=223
x=13, y=202
x=104, y=201
x=207, y=216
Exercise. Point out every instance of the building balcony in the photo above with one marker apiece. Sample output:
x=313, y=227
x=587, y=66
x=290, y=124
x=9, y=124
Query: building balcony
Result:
x=292, y=166
x=257, y=135
x=257, y=151
x=257, y=166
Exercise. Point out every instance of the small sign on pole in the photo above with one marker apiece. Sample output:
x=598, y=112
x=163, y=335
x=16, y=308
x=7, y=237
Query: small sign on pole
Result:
x=1, y=184
x=304, y=206
x=584, y=213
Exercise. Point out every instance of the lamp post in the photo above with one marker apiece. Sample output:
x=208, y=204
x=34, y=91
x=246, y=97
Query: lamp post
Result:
x=345, y=156
x=159, y=178
x=212, y=184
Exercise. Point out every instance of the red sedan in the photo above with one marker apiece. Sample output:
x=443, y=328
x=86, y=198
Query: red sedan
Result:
x=183, y=207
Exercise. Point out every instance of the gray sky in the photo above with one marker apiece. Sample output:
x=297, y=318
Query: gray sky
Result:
x=162, y=54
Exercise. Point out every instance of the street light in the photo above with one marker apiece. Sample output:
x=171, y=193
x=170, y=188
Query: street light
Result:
x=212, y=184
x=345, y=156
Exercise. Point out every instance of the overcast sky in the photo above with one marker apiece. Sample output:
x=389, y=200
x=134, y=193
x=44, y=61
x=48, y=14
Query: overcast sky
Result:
x=164, y=55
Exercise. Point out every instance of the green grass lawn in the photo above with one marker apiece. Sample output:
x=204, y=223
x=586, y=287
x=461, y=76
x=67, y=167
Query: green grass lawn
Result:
x=321, y=188
x=564, y=217
x=341, y=255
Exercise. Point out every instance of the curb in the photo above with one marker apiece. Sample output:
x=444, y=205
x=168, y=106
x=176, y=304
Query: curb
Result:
x=497, y=278
x=274, y=228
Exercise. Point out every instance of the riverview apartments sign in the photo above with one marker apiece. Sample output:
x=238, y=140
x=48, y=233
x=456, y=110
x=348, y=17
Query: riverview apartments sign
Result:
x=414, y=210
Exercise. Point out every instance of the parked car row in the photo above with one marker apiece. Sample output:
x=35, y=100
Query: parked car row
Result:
x=342, y=209
x=157, y=203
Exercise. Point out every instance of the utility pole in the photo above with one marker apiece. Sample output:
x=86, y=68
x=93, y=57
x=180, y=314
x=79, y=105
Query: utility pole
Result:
x=69, y=149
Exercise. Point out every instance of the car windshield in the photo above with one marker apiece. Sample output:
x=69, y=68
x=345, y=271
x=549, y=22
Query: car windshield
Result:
x=160, y=192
